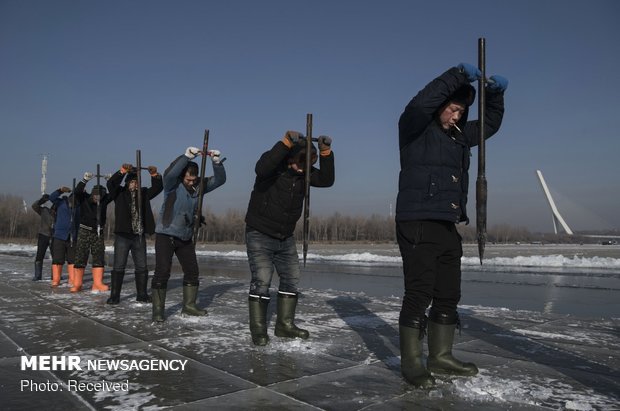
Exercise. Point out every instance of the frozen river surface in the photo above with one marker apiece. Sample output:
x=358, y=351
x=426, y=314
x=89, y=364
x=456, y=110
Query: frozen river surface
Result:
x=542, y=327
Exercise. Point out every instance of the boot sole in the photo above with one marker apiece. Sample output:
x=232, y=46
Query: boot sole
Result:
x=452, y=372
x=194, y=314
x=427, y=382
x=284, y=334
x=260, y=341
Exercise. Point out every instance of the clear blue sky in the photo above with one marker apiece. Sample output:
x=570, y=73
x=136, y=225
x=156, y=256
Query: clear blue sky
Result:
x=90, y=82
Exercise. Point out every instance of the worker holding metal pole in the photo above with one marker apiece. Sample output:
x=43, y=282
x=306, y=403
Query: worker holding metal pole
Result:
x=90, y=241
x=275, y=206
x=174, y=232
x=133, y=222
x=435, y=138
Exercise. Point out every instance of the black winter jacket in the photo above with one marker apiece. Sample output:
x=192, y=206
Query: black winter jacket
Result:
x=276, y=202
x=122, y=203
x=88, y=208
x=434, y=179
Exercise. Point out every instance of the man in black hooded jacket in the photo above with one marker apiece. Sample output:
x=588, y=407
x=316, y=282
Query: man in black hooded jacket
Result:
x=435, y=140
x=276, y=203
x=92, y=211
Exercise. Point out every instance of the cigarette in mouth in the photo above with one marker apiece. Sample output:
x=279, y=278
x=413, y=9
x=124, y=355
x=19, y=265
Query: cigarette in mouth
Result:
x=457, y=127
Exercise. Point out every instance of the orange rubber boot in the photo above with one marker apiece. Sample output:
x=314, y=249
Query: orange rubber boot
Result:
x=56, y=273
x=78, y=278
x=98, y=284
x=70, y=272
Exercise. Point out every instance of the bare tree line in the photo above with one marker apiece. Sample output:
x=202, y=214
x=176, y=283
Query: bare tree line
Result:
x=19, y=222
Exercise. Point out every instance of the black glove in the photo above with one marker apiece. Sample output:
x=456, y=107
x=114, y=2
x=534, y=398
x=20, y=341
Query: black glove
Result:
x=325, y=145
x=291, y=138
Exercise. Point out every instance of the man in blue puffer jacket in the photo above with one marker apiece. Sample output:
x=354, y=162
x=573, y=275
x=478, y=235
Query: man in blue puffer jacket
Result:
x=435, y=140
x=175, y=228
x=65, y=232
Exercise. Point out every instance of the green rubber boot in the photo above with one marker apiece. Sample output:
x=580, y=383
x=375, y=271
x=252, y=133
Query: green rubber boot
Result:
x=141, y=279
x=258, y=319
x=38, y=271
x=116, y=283
x=285, y=324
x=412, y=366
x=159, y=304
x=440, y=340
x=190, y=292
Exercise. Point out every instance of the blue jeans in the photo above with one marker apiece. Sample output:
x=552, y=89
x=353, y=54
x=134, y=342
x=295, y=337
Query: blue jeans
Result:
x=123, y=244
x=265, y=253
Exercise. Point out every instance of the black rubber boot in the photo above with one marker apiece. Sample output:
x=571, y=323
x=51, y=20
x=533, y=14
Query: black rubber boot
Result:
x=258, y=319
x=38, y=271
x=412, y=367
x=142, y=278
x=190, y=292
x=285, y=324
x=159, y=304
x=116, y=283
x=440, y=340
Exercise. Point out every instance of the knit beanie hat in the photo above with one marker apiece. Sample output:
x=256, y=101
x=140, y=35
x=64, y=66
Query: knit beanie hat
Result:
x=98, y=190
x=298, y=153
x=465, y=95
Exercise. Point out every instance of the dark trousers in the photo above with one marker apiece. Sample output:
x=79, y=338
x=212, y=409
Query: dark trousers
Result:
x=431, y=252
x=43, y=242
x=134, y=243
x=166, y=247
x=62, y=250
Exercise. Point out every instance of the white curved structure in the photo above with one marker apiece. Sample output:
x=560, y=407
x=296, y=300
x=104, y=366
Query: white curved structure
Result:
x=43, y=174
x=557, y=218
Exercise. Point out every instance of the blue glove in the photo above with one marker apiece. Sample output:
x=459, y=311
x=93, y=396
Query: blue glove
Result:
x=470, y=71
x=497, y=84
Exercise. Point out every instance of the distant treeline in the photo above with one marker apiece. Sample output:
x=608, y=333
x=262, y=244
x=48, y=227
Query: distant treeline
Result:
x=19, y=222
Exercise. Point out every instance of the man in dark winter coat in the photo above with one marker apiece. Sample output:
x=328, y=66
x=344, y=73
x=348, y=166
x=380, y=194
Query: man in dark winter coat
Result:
x=132, y=222
x=435, y=140
x=175, y=228
x=93, y=209
x=47, y=214
x=276, y=203
x=65, y=232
